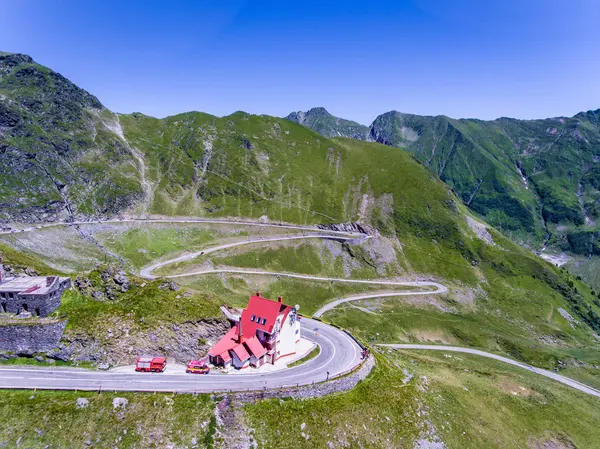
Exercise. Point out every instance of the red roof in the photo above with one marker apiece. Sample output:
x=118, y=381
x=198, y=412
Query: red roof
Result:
x=261, y=310
x=260, y=314
x=31, y=289
x=255, y=347
x=226, y=343
x=225, y=356
x=240, y=351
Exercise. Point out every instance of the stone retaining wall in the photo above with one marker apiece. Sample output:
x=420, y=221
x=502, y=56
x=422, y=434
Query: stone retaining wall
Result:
x=338, y=385
x=27, y=338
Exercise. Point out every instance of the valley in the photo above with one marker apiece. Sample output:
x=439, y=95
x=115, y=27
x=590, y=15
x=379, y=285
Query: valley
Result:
x=425, y=238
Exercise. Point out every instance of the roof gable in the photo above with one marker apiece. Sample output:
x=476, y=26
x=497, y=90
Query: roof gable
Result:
x=261, y=314
x=255, y=347
x=240, y=351
x=226, y=343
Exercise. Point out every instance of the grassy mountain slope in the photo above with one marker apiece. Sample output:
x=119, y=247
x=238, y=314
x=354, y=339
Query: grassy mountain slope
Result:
x=505, y=299
x=256, y=166
x=522, y=175
x=58, y=153
x=244, y=165
x=537, y=180
x=321, y=121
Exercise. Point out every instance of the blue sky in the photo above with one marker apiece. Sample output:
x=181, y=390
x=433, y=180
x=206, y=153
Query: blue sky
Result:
x=461, y=58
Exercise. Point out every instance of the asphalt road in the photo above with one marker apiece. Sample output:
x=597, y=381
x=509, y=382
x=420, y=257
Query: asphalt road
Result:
x=439, y=288
x=147, y=271
x=542, y=372
x=178, y=220
x=339, y=354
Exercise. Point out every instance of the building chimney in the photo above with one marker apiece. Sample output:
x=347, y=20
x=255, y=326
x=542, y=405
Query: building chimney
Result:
x=257, y=293
x=240, y=334
x=280, y=299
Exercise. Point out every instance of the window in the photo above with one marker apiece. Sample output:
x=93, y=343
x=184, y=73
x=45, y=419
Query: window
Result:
x=297, y=331
x=252, y=318
x=4, y=307
x=264, y=321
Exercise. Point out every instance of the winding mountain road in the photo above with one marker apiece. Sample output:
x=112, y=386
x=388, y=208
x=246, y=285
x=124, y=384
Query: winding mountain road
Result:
x=178, y=220
x=542, y=372
x=339, y=354
x=353, y=237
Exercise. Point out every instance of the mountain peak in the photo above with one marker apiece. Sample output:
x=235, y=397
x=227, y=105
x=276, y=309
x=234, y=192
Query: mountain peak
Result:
x=320, y=120
x=319, y=110
x=11, y=60
x=29, y=84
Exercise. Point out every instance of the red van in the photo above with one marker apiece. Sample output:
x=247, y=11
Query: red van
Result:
x=151, y=364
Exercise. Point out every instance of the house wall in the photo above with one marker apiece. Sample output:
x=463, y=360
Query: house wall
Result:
x=44, y=304
x=237, y=363
x=286, y=341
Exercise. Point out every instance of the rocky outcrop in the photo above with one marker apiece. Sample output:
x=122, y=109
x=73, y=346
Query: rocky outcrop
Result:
x=105, y=283
x=124, y=342
x=352, y=227
x=30, y=337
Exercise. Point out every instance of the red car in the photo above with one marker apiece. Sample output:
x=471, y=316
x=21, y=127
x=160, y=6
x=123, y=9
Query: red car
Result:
x=197, y=367
x=151, y=364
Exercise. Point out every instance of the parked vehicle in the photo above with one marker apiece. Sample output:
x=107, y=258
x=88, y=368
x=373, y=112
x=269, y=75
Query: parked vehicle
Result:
x=197, y=367
x=151, y=364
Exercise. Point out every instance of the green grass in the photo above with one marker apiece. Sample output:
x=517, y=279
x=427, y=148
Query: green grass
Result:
x=310, y=257
x=148, y=307
x=311, y=355
x=342, y=416
x=29, y=361
x=146, y=243
x=51, y=419
x=407, y=392
x=478, y=403
x=310, y=295
x=305, y=258
x=20, y=260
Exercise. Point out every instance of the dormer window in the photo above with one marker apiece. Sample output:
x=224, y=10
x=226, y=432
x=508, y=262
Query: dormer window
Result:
x=264, y=321
x=252, y=318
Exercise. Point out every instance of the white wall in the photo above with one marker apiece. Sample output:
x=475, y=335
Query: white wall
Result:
x=287, y=337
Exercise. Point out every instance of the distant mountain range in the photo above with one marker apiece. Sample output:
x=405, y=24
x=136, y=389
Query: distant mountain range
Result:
x=321, y=121
x=538, y=180
x=65, y=156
